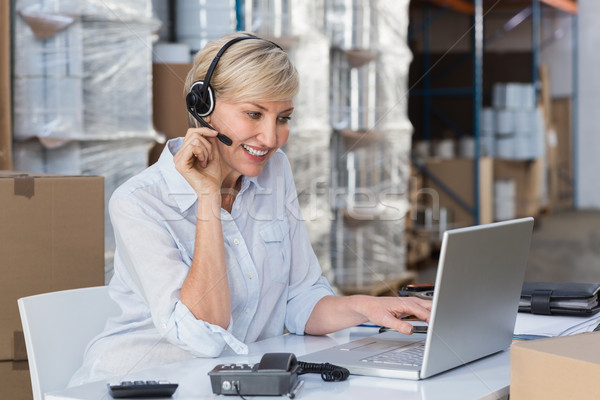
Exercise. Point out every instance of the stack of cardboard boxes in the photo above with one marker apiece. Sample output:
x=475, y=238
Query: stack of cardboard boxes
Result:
x=51, y=236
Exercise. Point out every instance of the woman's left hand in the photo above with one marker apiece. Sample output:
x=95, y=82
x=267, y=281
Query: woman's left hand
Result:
x=333, y=313
x=388, y=311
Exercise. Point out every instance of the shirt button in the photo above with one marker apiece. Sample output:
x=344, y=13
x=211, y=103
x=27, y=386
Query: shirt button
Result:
x=164, y=326
x=250, y=276
x=248, y=310
x=236, y=241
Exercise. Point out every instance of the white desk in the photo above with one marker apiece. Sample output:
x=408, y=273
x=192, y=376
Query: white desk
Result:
x=484, y=379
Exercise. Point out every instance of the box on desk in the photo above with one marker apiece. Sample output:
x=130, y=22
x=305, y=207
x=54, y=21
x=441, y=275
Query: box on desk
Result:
x=565, y=367
x=51, y=238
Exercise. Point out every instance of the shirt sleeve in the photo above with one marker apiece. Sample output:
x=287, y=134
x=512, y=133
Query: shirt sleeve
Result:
x=307, y=283
x=153, y=267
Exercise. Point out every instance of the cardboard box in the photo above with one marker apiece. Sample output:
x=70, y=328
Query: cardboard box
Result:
x=458, y=175
x=5, y=97
x=170, y=114
x=51, y=238
x=15, y=383
x=565, y=367
x=527, y=176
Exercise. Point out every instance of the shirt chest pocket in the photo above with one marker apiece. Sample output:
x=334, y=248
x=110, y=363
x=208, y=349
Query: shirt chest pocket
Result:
x=276, y=240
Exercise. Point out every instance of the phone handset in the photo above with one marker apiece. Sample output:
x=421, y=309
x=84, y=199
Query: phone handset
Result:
x=277, y=362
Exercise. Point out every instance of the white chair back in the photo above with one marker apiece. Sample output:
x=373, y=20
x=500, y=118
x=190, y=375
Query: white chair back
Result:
x=58, y=327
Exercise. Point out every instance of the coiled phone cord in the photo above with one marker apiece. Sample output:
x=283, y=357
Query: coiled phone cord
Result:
x=329, y=372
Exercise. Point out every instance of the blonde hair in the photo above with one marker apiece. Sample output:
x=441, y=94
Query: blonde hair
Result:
x=249, y=70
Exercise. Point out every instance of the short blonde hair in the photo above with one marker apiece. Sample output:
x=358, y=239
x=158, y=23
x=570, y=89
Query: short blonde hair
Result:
x=249, y=70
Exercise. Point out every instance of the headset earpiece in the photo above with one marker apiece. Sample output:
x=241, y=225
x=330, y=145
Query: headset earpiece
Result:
x=200, y=100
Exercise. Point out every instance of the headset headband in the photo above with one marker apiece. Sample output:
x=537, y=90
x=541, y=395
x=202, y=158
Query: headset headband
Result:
x=205, y=86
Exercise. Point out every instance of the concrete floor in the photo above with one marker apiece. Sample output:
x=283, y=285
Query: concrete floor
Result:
x=565, y=247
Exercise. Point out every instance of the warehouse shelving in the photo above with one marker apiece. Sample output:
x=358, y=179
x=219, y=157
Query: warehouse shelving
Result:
x=475, y=8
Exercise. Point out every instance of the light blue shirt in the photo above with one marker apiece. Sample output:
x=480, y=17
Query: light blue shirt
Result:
x=275, y=279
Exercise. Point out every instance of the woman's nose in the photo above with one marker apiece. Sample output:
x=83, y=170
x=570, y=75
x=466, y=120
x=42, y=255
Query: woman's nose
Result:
x=268, y=133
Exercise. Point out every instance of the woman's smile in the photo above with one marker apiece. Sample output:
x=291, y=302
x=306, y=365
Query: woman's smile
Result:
x=255, y=151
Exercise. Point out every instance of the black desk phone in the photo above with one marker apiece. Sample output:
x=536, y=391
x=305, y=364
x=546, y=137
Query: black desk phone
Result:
x=275, y=374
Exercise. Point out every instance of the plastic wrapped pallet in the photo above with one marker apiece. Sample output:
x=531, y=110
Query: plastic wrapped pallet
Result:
x=201, y=21
x=370, y=201
x=116, y=10
x=354, y=97
x=83, y=69
x=371, y=144
x=268, y=18
x=291, y=24
x=309, y=141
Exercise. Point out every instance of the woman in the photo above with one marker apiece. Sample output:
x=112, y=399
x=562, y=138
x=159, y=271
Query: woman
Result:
x=211, y=247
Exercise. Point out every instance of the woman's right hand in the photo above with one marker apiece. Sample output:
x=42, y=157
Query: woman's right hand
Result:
x=198, y=161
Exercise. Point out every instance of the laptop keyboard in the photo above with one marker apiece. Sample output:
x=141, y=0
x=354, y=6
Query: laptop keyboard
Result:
x=412, y=356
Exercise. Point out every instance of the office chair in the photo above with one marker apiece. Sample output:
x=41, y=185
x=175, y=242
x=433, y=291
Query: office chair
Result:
x=58, y=327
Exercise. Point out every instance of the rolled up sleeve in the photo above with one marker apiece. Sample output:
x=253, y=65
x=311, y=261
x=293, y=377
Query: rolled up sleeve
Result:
x=199, y=337
x=302, y=304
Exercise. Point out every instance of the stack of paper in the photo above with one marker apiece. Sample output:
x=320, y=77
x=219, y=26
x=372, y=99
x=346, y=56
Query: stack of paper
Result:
x=529, y=326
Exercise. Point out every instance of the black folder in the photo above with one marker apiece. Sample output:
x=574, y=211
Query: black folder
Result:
x=560, y=298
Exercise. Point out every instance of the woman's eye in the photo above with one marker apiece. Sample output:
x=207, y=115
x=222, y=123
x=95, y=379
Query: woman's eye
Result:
x=285, y=119
x=254, y=115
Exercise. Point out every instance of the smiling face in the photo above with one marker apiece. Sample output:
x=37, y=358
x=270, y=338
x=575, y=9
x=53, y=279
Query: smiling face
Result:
x=257, y=129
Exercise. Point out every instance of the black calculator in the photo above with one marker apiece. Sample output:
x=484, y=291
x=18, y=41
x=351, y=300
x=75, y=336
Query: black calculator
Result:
x=134, y=389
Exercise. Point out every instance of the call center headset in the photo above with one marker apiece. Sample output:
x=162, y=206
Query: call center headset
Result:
x=200, y=100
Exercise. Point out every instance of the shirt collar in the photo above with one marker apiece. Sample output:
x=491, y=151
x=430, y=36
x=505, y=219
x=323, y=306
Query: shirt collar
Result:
x=179, y=189
x=246, y=181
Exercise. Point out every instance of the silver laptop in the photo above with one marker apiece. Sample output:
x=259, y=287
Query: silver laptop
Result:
x=477, y=290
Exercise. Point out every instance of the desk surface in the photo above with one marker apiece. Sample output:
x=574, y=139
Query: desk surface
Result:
x=484, y=379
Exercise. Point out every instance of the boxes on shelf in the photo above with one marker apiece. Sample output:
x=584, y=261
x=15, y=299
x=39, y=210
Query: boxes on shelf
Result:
x=565, y=367
x=527, y=184
x=458, y=176
x=51, y=238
